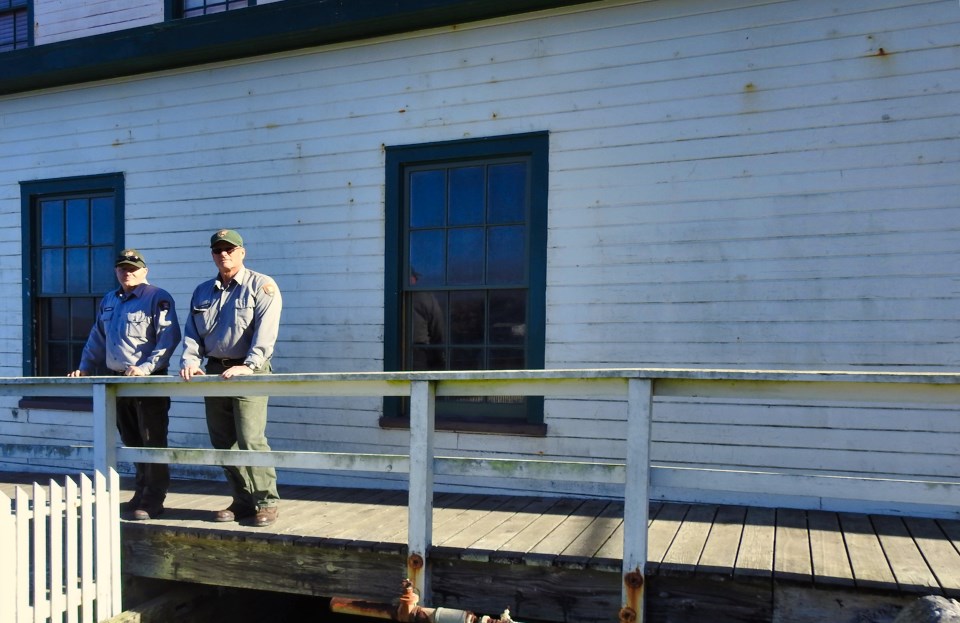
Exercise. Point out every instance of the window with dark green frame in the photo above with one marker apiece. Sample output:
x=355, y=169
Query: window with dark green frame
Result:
x=72, y=231
x=192, y=8
x=14, y=24
x=466, y=270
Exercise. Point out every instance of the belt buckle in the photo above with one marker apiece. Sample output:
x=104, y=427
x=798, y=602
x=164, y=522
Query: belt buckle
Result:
x=226, y=363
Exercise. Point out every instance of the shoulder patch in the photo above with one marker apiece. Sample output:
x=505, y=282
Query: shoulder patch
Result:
x=269, y=288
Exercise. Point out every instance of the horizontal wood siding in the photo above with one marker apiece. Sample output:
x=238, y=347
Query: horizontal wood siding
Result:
x=736, y=183
x=58, y=20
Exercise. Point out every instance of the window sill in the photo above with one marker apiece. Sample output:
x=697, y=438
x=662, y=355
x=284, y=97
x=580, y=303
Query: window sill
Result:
x=462, y=426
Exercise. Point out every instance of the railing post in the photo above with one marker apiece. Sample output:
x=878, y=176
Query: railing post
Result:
x=420, y=495
x=104, y=427
x=636, y=498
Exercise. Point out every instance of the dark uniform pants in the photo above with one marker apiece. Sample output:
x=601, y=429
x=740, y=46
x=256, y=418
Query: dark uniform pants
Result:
x=143, y=423
x=240, y=423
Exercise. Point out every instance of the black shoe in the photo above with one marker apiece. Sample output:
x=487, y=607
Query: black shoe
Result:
x=148, y=512
x=234, y=512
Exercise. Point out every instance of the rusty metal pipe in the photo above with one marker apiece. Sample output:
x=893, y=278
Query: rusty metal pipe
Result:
x=407, y=610
x=359, y=607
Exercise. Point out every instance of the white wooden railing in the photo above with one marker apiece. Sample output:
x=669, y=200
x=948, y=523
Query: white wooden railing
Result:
x=61, y=552
x=637, y=387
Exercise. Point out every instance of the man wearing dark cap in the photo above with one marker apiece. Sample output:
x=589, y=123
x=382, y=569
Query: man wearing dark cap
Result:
x=135, y=334
x=233, y=324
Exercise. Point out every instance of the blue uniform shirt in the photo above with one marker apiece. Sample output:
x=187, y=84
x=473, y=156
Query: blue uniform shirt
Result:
x=138, y=328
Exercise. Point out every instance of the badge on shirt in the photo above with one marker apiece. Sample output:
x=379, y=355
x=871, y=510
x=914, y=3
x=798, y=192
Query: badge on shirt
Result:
x=164, y=307
x=269, y=288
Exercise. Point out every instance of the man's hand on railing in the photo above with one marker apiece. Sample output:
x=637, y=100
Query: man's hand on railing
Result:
x=76, y=373
x=188, y=372
x=134, y=371
x=236, y=371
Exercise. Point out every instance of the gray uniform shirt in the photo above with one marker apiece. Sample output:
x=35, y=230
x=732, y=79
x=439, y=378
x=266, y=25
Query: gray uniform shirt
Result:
x=237, y=320
x=138, y=328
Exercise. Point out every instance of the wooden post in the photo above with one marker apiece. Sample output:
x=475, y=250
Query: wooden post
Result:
x=104, y=427
x=420, y=497
x=636, y=498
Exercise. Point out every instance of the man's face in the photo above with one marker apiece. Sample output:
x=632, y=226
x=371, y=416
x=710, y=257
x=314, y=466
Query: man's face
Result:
x=227, y=257
x=130, y=276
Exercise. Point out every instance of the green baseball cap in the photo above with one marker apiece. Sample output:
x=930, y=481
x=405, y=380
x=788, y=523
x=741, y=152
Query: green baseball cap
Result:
x=131, y=257
x=226, y=235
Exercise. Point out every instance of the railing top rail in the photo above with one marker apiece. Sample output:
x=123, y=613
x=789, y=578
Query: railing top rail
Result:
x=703, y=374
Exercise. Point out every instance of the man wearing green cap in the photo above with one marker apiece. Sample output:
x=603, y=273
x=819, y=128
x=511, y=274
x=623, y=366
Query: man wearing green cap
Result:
x=135, y=334
x=233, y=324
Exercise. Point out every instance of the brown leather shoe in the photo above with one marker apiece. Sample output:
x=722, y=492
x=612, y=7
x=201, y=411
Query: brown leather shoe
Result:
x=147, y=512
x=266, y=515
x=234, y=512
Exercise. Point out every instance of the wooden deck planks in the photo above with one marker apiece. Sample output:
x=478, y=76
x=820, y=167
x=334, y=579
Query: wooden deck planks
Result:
x=791, y=554
x=663, y=529
x=869, y=563
x=684, y=552
x=720, y=552
x=816, y=548
x=755, y=558
x=828, y=552
x=910, y=569
x=938, y=552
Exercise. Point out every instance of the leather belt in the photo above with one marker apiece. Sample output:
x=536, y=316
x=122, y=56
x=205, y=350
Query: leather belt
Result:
x=226, y=363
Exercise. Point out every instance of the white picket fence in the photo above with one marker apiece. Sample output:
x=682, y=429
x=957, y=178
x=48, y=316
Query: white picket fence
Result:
x=61, y=550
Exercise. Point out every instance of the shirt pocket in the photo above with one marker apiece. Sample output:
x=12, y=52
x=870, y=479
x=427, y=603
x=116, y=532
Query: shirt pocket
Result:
x=137, y=325
x=245, y=309
x=204, y=318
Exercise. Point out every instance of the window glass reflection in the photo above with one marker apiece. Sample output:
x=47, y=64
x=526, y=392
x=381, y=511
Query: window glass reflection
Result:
x=101, y=220
x=78, y=222
x=427, y=192
x=78, y=271
x=427, y=256
x=51, y=271
x=466, y=196
x=467, y=317
x=58, y=320
x=51, y=223
x=508, y=193
x=465, y=252
x=508, y=317
x=505, y=253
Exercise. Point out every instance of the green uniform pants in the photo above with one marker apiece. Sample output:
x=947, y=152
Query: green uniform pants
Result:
x=240, y=423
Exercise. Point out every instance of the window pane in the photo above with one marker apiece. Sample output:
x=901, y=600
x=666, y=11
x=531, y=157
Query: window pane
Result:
x=465, y=253
x=82, y=317
x=103, y=278
x=427, y=191
x=467, y=317
x=51, y=223
x=58, y=319
x=466, y=196
x=78, y=222
x=51, y=271
x=78, y=271
x=466, y=359
x=508, y=317
x=506, y=252
x=101, y=220
x=506, y=359
x=58, y=360
x=508, y=193
x=426, y=257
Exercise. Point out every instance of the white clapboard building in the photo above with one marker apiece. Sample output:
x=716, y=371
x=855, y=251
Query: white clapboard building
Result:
x=746, y=184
